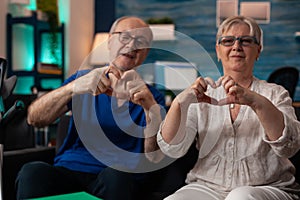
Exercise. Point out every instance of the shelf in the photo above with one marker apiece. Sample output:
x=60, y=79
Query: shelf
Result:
x=39, y=29
x=41, y=75
x=24, y=73
x=33, y=73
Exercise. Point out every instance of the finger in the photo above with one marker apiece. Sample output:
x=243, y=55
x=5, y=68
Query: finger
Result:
x=229, y=84
x=133, y=93
x=224, y=79
x=200, y=85
x=109, y=92
x=226, y=101
x=106, y=72
x=104, y=83
x=233, y=90
x=203, y=83
x=207, y=99
x=210, y=82
x=112, y=70
x=135, y=84
x=137, y=93
x=211, y=100
x=219, y=81
x=98, y=90
x=134, y=96
x=101, y=88
x=198, y=89
x=105, y=80
x=121, y=95
x=131, y=75
x=137, y=96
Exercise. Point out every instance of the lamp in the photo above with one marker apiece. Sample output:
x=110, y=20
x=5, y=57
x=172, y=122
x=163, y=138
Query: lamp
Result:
x=99, y=55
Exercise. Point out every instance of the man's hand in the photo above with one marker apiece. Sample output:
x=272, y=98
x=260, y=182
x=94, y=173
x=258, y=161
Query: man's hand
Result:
x=95, y=82
x=131, y=87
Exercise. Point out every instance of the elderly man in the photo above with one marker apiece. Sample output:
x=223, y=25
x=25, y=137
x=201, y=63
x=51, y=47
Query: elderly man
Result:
x=111, y=103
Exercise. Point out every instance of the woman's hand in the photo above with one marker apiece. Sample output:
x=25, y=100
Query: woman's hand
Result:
x=174, y=130
x=268, y=114
x=196, y=92
x=235, y=93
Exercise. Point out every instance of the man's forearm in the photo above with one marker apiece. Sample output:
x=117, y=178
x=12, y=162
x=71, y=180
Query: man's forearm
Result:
x=154, y=119
x=50, y=106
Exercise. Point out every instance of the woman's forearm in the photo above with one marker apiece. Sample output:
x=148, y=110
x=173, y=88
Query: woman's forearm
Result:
x=174, y=125
x=270, y=117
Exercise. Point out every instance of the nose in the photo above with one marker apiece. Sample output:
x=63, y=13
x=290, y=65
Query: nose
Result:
x=237, y=45
x=131, y=44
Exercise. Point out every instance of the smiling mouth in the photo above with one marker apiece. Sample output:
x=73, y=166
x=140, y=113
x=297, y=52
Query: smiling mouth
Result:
x=129, y=55
x=237, y=56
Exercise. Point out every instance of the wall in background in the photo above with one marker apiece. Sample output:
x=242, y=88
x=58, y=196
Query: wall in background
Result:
x=104, y=15
x=197, y=19
x=79, y=32
x=3, y=11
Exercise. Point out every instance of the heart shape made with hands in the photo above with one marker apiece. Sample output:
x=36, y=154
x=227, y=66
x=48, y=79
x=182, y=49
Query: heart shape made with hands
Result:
x=204, y=97
x=129, y=83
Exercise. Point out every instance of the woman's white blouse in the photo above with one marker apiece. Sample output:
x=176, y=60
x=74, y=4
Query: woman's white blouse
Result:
x=239, y=153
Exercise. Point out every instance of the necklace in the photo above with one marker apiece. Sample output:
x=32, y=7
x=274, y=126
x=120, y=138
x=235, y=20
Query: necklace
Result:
x=231, y=106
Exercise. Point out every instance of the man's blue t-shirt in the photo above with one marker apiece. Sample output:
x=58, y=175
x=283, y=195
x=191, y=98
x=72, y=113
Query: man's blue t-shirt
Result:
x=103, y=132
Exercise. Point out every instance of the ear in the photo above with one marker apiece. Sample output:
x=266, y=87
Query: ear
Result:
x=258, y=52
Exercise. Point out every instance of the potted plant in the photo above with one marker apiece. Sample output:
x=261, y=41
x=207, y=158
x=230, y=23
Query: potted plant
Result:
x=50, y=10
x=163, y=28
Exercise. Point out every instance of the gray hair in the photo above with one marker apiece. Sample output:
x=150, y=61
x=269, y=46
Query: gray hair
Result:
x=255, y=30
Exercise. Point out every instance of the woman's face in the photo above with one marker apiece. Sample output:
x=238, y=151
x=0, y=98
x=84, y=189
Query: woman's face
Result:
x=240, y=56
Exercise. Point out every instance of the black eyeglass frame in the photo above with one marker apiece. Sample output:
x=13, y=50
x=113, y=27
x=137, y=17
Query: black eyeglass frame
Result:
x=131, y=38
x=240, y=39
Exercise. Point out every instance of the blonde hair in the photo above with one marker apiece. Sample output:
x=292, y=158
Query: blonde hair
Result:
x=230, y=21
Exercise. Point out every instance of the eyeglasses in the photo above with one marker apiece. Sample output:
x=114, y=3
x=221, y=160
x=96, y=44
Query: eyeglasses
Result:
x=140, y=42
x=245, y=41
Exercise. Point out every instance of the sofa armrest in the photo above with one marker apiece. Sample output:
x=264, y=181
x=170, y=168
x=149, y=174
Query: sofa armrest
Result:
x=15, y=159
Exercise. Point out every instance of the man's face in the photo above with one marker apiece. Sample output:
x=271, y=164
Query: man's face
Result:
x=129, y=44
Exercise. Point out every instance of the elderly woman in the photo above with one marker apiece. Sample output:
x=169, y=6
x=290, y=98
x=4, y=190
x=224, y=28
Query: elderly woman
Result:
x=245, y=128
